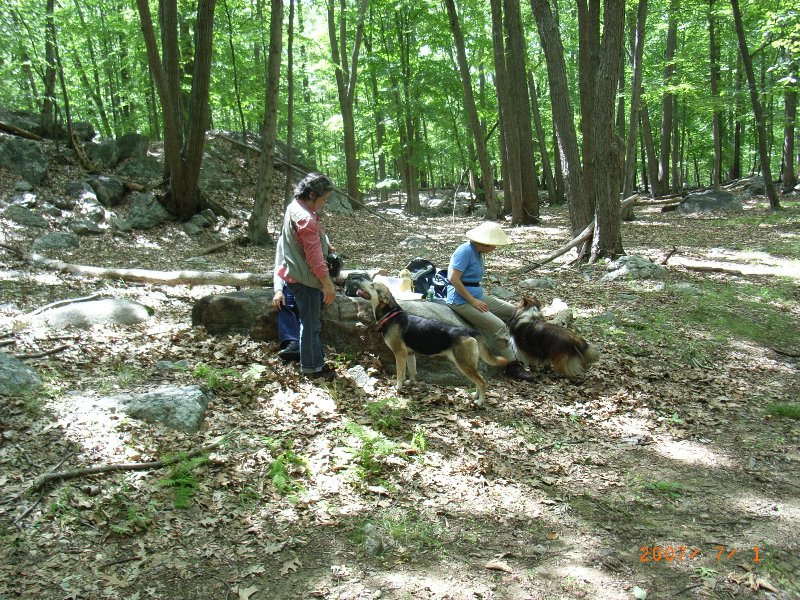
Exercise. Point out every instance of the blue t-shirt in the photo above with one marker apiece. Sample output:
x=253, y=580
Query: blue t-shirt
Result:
x=469, y=261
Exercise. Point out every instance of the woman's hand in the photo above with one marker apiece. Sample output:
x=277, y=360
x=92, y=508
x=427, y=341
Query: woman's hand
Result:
x=278, y=300
x=480, y=305
x=328, y=292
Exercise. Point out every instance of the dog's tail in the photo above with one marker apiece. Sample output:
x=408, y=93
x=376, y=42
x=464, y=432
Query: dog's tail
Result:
x=487, y=356
x=575, y=363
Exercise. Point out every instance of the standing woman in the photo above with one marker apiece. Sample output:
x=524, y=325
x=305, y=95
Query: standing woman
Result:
x=302, y=248
x=466, y=296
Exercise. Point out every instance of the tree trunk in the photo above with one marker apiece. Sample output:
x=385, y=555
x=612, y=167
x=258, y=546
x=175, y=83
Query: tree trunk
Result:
x=763, y=154
x=185, y=198
x=346, y=86
x=287, y=189
x=636, y=95
x=48, y=117
x=788, y=174
x=257, y=225
x=668, y=102
x=516, y=83
x=738, y=128
x=608, y=149
x=652, y=160
x=547, y=168
x=236, y=88
x=510, y=134
x=716, y=119
x=563, y=116
x=472, y=112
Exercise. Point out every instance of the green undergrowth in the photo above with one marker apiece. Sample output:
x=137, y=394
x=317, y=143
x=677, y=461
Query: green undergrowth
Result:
x=719, y=314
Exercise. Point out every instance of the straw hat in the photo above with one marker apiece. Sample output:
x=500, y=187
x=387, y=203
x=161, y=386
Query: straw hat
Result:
x=489, y=234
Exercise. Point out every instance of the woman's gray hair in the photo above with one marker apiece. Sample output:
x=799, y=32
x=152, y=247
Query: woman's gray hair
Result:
x=313, y=182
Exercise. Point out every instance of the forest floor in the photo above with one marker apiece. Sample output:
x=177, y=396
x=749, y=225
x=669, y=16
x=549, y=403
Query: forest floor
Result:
x=669, y=471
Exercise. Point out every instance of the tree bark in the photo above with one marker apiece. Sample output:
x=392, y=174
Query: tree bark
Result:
x=636, y=95
x=182, y=158
x=766, y=171
x=668, y=101
x=547, y=168
x=346, y=85
x=788, y=173
x=472, y=112
x=716, y=119
x=563, y=115
x=257, y=224
x=608, y=149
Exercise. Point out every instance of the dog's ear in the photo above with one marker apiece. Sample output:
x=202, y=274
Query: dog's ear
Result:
x=529, y=302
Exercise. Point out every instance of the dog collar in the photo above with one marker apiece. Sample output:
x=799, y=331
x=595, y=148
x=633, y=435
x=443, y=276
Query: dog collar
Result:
x=385, y=319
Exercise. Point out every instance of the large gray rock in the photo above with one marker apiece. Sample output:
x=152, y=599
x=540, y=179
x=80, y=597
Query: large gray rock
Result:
x=109, y=311
x=24, y=158
x=23, y=216
x=348, y=325
x=56, y=241
x=104, y=153
x=109, y=189
x=16, y=378
x=132, y=145
x=634, y=267
x=143, y=167
x=181, y=408
x=710, y=201
x=146, y=212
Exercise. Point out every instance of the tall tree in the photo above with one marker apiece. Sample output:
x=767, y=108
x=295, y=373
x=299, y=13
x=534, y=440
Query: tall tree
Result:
x=346, y=76
x=259, y=219
x=668, y=99
x=716, y=119
x=607, y=152
x=636, y=95
x=183, y=155
x=761, y=129
x=472, y=112
x=563, y=115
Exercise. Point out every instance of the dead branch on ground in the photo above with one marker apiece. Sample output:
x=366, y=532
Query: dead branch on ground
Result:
x=43, y=480
x=156, y=277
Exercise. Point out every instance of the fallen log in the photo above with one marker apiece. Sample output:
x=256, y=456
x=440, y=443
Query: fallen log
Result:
x=156, y=277
x=9, y=128
x=579, y=239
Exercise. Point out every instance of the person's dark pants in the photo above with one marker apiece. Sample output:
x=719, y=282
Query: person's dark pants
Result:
x=288, y=320
x=309, y=306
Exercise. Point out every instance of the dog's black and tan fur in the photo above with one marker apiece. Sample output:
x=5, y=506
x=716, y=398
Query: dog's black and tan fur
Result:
x=538, y=341
x=407, y=334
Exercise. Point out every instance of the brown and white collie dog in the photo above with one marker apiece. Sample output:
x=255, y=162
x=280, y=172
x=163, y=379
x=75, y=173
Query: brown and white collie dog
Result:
x=539, y=341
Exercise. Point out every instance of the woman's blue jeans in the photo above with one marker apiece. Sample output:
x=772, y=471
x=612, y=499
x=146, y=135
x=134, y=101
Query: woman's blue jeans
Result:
x=288, y=321
x=309, y=305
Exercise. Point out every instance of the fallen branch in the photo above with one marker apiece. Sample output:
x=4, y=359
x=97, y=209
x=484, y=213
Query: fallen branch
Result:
x=156, y=277
x=236, y=240
x=669, y=254
x=579, y=239
x=703, y=269
x=9, y=128
x=63, y=303
x=42, y=354
x=43, y=480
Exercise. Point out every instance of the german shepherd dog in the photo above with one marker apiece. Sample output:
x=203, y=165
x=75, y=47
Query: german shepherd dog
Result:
x=538, y=341
x=407, y=334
